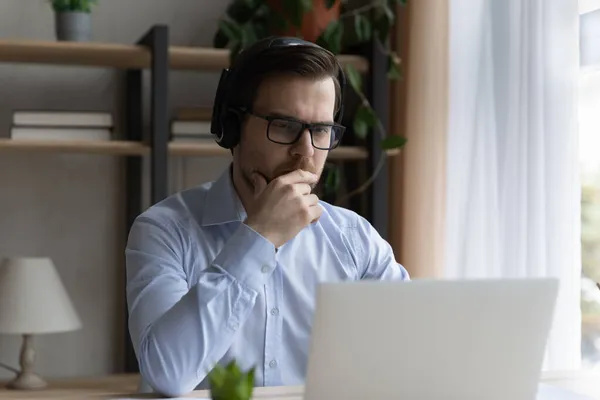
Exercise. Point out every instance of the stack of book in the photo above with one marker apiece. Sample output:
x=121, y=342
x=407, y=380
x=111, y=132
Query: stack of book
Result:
x=61, y=125
x=192, y=125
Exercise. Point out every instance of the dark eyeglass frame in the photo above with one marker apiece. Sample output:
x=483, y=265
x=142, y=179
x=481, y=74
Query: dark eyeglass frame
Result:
x=305, y=126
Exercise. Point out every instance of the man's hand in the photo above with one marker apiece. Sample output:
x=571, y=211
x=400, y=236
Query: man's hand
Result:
x=283, y=207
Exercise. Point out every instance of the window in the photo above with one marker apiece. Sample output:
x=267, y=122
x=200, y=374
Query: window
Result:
x=589, y=142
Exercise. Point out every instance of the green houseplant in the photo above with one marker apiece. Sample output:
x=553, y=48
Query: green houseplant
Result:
x=73, y=20
x=230, y=382
x=331, y=24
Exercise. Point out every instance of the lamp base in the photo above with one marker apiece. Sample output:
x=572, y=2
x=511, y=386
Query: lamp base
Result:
x=27, y=380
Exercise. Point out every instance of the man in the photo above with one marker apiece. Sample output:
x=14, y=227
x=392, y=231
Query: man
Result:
x=229, y=270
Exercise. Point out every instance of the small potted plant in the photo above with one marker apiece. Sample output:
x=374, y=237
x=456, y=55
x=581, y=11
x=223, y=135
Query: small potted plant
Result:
x=231, y=383
x=73, y=20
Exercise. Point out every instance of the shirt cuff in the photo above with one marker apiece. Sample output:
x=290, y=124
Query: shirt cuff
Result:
x=248, y=257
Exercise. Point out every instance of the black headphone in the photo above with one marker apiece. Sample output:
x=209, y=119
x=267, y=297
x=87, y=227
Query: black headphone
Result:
x=226, y=121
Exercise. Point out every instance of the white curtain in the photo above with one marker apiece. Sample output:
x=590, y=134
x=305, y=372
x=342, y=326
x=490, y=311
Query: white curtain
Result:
x=513, y=181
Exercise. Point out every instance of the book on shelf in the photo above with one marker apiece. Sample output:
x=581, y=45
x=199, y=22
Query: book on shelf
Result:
x=87, y=119
x=50, y=133
x=191, y=130
x=190, y=127
x=62, y=125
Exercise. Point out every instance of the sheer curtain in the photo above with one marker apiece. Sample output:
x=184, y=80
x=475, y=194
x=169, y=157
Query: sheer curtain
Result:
x=512, y=175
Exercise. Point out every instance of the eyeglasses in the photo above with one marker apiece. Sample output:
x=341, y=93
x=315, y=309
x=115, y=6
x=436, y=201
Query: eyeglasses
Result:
x=282, y=130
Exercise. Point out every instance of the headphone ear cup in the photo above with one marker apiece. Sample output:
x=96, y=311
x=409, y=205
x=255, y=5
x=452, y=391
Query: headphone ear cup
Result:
x=232, y=126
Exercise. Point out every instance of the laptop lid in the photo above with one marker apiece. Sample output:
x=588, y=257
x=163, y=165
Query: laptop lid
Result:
x=430, y=339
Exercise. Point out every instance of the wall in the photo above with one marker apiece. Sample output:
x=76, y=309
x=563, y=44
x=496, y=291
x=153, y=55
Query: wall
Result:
x=71, y=207
x=417, y=179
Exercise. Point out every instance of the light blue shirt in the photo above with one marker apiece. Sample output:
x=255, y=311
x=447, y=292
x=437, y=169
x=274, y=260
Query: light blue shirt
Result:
x=203, y=287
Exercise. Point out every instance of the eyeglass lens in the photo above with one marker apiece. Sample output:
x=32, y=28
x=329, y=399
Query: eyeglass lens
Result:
x=323, y=136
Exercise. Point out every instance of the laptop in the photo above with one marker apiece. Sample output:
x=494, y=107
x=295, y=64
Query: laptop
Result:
x=430, y=339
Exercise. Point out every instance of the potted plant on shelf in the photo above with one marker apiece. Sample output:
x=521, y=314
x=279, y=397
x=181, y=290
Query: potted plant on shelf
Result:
x=73, y=20
x=230, y=382
x=327, y=23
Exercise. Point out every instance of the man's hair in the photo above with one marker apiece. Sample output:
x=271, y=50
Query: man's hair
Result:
x=306, y=61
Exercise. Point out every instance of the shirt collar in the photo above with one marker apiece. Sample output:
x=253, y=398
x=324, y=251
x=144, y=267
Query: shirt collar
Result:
x=222, y=203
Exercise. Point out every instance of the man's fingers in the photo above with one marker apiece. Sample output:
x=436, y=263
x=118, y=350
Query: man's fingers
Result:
x=260, y=183
x=316, y=212
x=312, y=200
x=299, y=176
x=303, y=188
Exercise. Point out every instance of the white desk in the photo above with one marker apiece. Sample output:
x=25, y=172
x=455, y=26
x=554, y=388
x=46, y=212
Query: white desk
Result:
x=582, y=382
x=123, y=386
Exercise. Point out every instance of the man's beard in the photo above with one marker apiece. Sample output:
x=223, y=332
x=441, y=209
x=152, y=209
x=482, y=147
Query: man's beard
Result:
x=291, y=166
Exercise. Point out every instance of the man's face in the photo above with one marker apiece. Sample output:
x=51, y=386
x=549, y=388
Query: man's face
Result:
x=304, y=99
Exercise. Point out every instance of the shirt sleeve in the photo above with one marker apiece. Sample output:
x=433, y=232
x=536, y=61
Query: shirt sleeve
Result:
x=180, y=329
x=374, y=255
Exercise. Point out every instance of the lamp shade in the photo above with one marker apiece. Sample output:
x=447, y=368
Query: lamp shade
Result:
x=33, y=299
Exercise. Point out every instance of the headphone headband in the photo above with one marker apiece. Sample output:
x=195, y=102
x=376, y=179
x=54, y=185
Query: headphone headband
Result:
x=226, y=122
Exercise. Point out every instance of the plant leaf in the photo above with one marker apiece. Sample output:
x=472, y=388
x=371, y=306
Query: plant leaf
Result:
x=294, y=10
x=394, y=71
x=332, y=183
x=331, y=38
x=217, y=377
x=354, y=78
x=384, y=19
x=364, y=120
x=261, y=28
x=360, y=127
x=231, y=383
x=72, y=5
x=231, y=29
x=249, y=35
x=250, y=381
x=220, y=40
x=389, y=13
x=329, y=4
x=393, y=142
x=242, y=11
x=234, y=370
x=270, y=20
x=362, y=28
x=307, y=5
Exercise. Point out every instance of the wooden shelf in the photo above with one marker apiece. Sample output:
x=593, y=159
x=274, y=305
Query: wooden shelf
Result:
x=211, y=59
x=209, y=149
x=74, y=53
x=129, y=148
x=124, y=56
x=113, y=147
x=197, y=149
x=346, y=153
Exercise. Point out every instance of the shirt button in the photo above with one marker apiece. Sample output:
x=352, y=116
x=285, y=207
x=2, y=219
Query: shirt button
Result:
x=266, y=269
x=235, y=326
x=275, y=311
x=273, y=363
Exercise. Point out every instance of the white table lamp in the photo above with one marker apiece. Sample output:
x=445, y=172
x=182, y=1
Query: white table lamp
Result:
x=33, y=301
